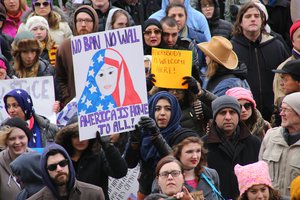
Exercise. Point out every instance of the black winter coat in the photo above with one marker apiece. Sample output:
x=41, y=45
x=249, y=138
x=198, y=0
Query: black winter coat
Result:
x=260, y=57
x=246, y=152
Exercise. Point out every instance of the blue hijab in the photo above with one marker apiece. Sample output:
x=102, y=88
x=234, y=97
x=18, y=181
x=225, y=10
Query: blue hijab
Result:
x=148, y=151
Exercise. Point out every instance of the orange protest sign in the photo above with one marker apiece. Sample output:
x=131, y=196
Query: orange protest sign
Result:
x=169, y=66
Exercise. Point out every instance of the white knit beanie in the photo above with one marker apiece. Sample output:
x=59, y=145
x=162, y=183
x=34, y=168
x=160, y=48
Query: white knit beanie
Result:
x=36, y=21
x=293, y=101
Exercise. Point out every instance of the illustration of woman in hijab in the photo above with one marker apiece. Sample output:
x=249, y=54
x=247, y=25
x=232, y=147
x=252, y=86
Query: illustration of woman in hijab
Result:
x=108, y=84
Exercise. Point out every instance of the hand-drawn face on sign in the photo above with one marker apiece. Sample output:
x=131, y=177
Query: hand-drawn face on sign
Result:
x=108, y=83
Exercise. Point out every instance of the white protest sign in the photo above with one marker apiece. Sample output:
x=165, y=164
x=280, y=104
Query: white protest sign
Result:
x=125, y=188
x=41, y=90
x=110, y=81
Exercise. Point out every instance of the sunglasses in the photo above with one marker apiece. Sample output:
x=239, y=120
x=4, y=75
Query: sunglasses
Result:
x=38, y=4
x=62, y=163
x=156, y=32
x=247, y=106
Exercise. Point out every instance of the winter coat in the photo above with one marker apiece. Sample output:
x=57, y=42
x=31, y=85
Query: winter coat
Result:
x=77, y=190
x=219, y=158
x=97, y=165
x=64, y=66
x=9, y=188
x=260, y=57
x=27, y=169
x=58, y=35
x=204, y=186
x=10, y=26
x=225, y=79
x=195, y=19
x=283, y=160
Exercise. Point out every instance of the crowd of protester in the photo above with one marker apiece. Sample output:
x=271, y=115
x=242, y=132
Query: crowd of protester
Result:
x=234, y=133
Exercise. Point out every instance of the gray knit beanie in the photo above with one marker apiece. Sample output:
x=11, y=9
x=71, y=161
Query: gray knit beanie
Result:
x=293, y=101
x=225, y=102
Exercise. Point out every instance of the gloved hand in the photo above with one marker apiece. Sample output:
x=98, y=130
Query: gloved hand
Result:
x=192, y=84
x=135, y=135
x=105, y=141
x=150, y=81
x=149, y=124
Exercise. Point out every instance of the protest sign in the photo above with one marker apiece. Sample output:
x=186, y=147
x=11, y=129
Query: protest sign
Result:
x=41, y=90
x=171, y=65
x=125, y=188
x=110, y=81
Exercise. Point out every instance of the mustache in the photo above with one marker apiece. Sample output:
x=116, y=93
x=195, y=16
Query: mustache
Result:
x=61, y=173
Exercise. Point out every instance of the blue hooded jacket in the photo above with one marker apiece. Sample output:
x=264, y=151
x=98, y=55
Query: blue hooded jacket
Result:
x=195, y=19
x=45, y=175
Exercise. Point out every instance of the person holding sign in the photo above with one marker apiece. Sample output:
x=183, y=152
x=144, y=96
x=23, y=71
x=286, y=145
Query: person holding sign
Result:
x=148, y=143
x=106, y=77
x=18, y=103
x=94, y=160
x=224, y=71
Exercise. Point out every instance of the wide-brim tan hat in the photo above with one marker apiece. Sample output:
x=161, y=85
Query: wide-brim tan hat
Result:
x=220, y=50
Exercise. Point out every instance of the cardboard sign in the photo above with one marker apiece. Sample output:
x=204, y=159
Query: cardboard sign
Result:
x=169, y=66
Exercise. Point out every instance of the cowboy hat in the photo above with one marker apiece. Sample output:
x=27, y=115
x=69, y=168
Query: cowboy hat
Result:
x=220, y=50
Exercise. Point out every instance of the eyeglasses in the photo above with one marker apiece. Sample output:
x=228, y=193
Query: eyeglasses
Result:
x=38, y=4
x=286, y=110
x=80, y=21
x=174, y=173
x=62, y=163
x=247, y=106
x=149, y=32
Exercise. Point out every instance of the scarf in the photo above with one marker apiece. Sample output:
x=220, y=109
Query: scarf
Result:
x=295, y=53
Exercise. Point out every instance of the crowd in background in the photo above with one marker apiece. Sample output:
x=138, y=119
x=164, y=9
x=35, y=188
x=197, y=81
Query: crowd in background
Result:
x=234, y=133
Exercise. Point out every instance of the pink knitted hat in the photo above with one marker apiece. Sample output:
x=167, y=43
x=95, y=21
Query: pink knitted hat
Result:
x=252, y=174
x=241, y=93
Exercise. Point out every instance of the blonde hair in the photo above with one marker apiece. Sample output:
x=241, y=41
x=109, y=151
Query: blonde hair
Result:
x=4, y=133
x=212, y=68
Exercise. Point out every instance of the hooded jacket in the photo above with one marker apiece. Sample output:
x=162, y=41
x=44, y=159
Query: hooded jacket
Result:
x=260, y=57
x=27, y=168
x=225, y=79
x=195, y=19
x=64, y=62
x=76, y=189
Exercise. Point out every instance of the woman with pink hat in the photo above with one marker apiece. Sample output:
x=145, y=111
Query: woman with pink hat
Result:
x=249, y=114
x=255, y=182
x=223, y=69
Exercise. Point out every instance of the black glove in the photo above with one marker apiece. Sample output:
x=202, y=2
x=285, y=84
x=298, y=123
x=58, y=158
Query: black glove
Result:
x=192, y=84
x=135, y=135
x=105, y=141
x=149, y=124
x=150, y=81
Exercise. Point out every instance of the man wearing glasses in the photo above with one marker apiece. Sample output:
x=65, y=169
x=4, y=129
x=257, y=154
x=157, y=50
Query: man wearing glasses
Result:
x=281, y=145
x=85, y=22
x=59, y=177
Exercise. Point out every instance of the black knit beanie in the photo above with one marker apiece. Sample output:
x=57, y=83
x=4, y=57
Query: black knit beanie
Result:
x=225, y=102
x=19, y=123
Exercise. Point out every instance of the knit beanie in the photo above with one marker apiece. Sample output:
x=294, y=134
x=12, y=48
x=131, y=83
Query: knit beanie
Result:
x=33, y=2
x=25, y=41
x=36, y=21
x=225, y=102
x=293, y=28
x=180, y=135
x=241, y=93
x=150, y=22
x=24, y=100
x=252, y=174
x=85, y=10
x=295, y=189
x=19, y=123
x=293, y=101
